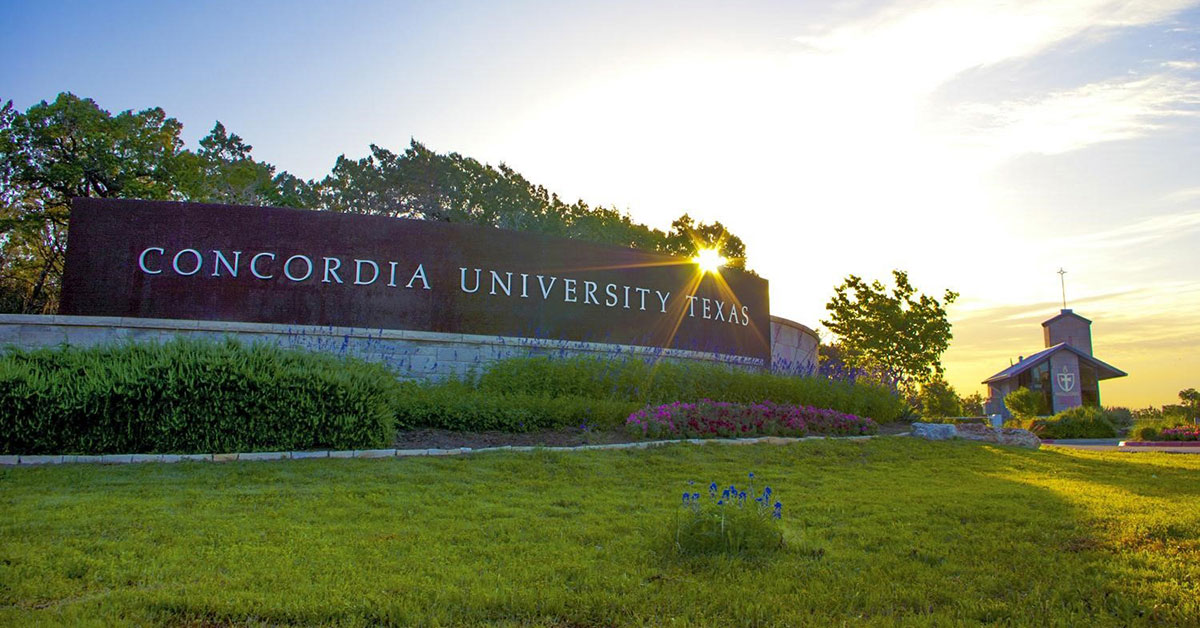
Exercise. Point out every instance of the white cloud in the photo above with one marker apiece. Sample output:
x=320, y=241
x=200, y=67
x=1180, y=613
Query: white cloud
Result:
x=928, y=45
x=1150, y=229
x=1072, y=119
x=1182, y=65
x=1183, y=195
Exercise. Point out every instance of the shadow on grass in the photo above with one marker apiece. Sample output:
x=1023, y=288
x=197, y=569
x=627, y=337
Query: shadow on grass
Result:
x=886, y=531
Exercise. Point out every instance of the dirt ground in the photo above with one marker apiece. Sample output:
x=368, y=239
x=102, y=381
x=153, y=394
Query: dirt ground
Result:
x=564, y=437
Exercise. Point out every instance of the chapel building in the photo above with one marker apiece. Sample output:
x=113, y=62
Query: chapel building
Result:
x=1065, y=373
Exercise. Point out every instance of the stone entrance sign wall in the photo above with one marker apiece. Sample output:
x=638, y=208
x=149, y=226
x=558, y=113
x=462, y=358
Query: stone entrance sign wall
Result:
x=135, y=260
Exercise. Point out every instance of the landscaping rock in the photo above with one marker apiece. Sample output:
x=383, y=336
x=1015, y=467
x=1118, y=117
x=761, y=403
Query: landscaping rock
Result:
x=934, y=431
x=1007, y=436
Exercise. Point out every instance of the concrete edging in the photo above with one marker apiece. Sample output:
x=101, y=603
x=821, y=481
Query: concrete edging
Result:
x=261, y=456
x=1158, y=443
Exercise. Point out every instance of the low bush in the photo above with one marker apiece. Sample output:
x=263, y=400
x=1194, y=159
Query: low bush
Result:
x=1145, y=432
x=728, y=522
x=634, y=380
x=188, y=396
x=1183, y=433
x=710, y=419
x=1121, y=417
x=1026, y=404
x=1077, y=422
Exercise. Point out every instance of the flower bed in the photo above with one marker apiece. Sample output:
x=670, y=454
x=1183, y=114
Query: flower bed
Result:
x=1180, y=433
x=713, y=419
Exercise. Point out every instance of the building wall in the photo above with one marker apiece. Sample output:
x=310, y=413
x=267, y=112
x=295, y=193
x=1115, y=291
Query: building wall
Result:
x=1072, y=330
x=1064, y=361
x=411, y=354
x=793, y=347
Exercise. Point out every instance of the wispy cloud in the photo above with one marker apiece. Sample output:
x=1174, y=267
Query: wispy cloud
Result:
x=931, y=43
x=1183, y=195
x=1182, y=65
x=1071, y=119
x=1151, y=229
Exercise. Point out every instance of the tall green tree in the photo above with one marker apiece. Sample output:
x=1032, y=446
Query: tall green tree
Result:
x=54, y=152
x=71, y=148
x=422, y=184
x=224, y=171
x=1191, y=399
x=898, y=331
x=938, y=399
x=687, y=236
x=972, y=404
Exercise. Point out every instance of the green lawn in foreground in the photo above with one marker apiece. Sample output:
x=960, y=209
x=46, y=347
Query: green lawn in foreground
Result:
x=886, y=531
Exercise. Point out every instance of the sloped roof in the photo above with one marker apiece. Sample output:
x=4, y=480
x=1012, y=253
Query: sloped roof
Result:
x=1064, y=314
x=1103, y=370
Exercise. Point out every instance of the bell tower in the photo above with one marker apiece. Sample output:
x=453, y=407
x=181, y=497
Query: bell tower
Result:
x=1070, y=328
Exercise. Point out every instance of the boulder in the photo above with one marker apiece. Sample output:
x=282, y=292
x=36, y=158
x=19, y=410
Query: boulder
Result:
x=934, y=431
x=1007, y=436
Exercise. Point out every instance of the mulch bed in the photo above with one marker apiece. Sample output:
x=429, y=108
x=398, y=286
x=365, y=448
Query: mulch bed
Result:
x=564, y=437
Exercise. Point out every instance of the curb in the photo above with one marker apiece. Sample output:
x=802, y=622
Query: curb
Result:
x=264, y=456
x=1159, y=443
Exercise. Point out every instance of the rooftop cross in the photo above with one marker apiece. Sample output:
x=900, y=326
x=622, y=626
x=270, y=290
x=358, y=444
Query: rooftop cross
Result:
x=1062, y=280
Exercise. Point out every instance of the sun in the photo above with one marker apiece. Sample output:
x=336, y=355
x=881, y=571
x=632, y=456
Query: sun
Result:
x=709, y=260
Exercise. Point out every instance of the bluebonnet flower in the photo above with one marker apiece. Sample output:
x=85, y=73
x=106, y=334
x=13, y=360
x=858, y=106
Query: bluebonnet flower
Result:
x=696, y=496
x=725, y=494
x=712, y=489
x=751, y=475
x=742, y=495
x=720, y=502
x=686, y=497
x=778, y=510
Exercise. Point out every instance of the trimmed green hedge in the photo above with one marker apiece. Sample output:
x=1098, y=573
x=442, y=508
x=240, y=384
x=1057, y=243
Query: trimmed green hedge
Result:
x=522, y=394
x=635, y=381
x=459, y=405
x=189, y=396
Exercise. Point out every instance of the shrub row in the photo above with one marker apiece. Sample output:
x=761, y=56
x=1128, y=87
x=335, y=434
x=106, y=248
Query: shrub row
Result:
x=712, y=419
x=1165, y=430
x=633, y=380
x=459, y=405
x=190, y=396
x=195, y=396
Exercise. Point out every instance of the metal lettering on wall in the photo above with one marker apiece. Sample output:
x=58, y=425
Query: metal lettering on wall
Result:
x=268, y=265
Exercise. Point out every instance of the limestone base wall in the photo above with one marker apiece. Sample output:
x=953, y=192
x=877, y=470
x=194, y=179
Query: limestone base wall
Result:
x=410, y=354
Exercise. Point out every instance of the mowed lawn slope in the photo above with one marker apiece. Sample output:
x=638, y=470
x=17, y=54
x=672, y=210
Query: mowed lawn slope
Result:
x=885, y=531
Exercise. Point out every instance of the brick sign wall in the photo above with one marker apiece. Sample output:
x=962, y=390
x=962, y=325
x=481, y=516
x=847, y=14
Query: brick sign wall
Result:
x=254, y=264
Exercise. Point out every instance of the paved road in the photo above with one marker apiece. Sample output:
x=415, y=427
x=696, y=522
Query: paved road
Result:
x=1112, y=444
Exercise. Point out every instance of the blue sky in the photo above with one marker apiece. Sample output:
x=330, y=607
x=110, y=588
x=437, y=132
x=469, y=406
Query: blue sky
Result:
x=979, y=146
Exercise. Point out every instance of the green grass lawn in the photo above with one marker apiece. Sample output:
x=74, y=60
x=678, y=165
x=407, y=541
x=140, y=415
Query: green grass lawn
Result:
x=887, y=531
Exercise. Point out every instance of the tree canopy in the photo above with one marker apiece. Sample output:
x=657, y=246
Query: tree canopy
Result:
x=69, y=148
x=899, y=332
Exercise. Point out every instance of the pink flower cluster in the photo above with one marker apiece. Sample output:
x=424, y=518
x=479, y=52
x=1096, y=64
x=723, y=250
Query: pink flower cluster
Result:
x=1180, y=433
x=713, y=419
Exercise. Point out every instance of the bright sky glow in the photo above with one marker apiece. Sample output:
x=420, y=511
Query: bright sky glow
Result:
x=980, y=146
x=709, y=260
